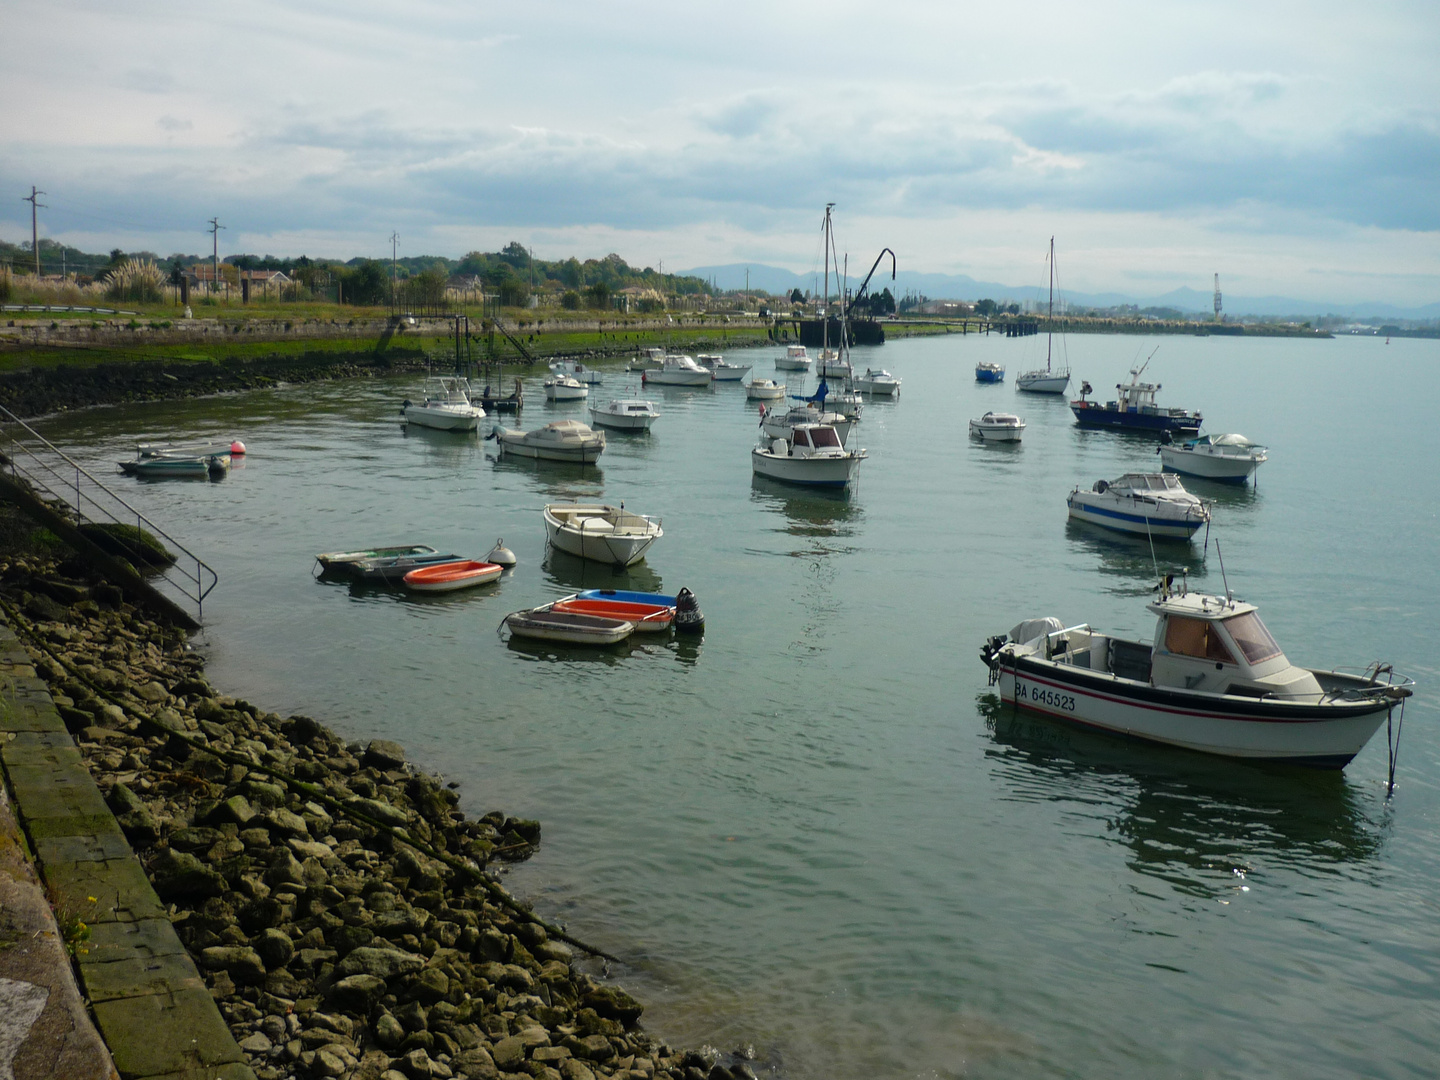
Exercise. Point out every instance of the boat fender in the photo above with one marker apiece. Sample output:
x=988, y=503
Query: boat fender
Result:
x=688, y=617
x=500, y=555
x=1102, y=486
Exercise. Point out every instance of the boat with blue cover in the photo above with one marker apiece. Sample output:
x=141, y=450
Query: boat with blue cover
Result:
x=989, y=372
x=1134, y=409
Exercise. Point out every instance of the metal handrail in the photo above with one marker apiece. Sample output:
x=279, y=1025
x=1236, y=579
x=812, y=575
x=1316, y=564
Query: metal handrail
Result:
x=54, y=480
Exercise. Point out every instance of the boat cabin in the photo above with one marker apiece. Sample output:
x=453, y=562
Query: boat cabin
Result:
x=806, y=440
x=1202, y=643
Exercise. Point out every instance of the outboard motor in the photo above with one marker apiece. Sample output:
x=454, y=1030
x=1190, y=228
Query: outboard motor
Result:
x=688, y=617
x=1102, y=486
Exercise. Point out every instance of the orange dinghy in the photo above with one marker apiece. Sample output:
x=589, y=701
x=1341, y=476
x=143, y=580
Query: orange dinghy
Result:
x=444, y=577
x=646, y=617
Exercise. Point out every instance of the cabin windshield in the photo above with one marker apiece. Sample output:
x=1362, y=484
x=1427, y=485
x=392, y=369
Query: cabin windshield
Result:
x=825, y=437
x=1254, y=640
x=1196, y=637
x=801, y=439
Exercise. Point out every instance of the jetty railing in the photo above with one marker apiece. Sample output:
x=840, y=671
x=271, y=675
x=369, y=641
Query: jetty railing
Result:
x=55, y=477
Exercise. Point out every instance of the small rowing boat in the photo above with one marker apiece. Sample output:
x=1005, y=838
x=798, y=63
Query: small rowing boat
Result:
x=447, y=577
x=646, y=617
x=572, y=628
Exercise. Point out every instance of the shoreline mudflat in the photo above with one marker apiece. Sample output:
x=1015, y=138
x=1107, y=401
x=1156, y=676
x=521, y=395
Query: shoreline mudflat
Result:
x=345, y=914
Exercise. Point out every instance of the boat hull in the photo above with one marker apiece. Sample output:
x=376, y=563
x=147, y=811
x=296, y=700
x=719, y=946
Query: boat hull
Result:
x=1319, y=735
x=540, y=625
x=765, y=393
x=790, y=364
x=675, y=378
x=574, y=455
x=996, y=432
x=592, y=537
x=448, y=577
x=989, y=374
x=1042, y=382
x=622, y=421
x=1090, y=415
x=834, y=472
x=566, y=393
x=877, y=387
x=1226, y=469
x=648, y=618
x=1131, y=517
x=393, y=570
x=445, y=418
x=345, y=560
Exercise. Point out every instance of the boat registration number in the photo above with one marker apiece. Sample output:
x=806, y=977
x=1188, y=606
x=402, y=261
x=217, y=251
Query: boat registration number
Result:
x=1041, y=695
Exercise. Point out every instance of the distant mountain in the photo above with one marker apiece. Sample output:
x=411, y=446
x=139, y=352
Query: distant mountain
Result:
x=775, y=279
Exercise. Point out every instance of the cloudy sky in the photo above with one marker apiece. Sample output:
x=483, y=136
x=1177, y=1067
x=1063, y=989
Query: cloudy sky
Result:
x=1294, y=147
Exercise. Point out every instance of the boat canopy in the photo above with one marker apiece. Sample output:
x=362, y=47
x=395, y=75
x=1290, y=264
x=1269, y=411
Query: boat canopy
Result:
x=1229, y=440
x=1149, y=482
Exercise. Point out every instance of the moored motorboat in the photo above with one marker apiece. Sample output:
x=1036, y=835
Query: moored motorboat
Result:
x=795, y=359
x=764, y=390
x=569, y=627
x=1134, y=409
x=834, y=364
x=343, y=561
x=608, y=534
x=565, y=388
x=652, y=357
x=625, y=414
x=777, y=422
x=447, y=406
x=577, y=371
x=877, y=381
x=720, y=371
x=559, y=440
x=1147, y=504
x=811, y=455
x=449, y=576
x=997, y=427
x=1211, y=679
x=1230, y=459
x=676, y=371
x=988, y=372
x=493, y=403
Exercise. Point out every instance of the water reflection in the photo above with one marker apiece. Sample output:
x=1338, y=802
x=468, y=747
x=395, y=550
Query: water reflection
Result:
x=554, y=477
x=809, y=512
x=1197, y=822
x=570, y=573
x=558, y=652
x=1120, y=555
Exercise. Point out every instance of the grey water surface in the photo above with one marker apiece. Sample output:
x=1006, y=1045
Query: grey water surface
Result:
x=818, y=831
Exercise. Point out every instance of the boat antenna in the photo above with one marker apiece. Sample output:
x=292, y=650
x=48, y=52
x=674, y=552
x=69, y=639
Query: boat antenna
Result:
x=1155, y=564
x=1228, y=595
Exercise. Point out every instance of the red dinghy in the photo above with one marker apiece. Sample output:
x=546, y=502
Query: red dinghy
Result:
x=646, y=617
x=444, y=577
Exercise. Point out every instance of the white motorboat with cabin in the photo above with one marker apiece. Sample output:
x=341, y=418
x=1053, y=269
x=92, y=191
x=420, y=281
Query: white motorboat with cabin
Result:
x=676, y=371
x=877, y=381
x=720, y=371
x=559, y=440
x=1147, y=504
x=1211, y=679
x=565, y=388
x=1230, y=459
x=651, y=357
x=624, y=414
x=812, y=455
x=833, y=363
x=998, y=427
x=577, y=371
x=776, y=421
x=446, y=406
x=1049, y=380
x=764, y=390
x=795, y=359
x=607, y=534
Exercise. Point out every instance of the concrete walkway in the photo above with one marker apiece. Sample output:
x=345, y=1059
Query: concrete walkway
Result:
x=149, y=1001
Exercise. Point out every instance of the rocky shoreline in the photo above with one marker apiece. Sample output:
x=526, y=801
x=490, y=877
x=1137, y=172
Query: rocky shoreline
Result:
x=345, y=912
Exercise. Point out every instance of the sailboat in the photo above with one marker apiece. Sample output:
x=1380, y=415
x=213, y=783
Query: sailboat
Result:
x=1047, y=380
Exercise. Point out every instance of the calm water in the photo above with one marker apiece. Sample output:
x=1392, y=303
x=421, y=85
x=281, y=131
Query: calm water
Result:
x=817, y=830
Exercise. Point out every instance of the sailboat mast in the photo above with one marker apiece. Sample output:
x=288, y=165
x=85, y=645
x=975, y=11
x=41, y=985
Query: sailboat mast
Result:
x=1050, y=320
x=825, y=309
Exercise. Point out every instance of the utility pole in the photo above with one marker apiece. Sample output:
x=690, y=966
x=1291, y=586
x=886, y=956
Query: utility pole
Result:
x=394, y=248
x=34, y=227
x=215, y=228
x=1218, y=316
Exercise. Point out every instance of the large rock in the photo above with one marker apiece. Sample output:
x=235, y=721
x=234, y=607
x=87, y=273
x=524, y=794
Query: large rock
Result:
x=384, y=754
x=383, y=812
x=285, y=870
x=385, y=963
x=241, y=963
x=274, y=947
x=356, y=993
x=179, y=875
x=614, y=1004
x=508, y=1053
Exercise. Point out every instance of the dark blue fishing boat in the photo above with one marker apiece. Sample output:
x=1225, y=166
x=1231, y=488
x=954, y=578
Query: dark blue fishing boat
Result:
x=1134, y=409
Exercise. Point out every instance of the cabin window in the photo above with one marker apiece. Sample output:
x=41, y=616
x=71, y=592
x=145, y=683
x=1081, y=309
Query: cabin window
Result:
x=825, y=437
x=801, y=439
x=1195, y=637
x=1252, y=637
